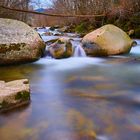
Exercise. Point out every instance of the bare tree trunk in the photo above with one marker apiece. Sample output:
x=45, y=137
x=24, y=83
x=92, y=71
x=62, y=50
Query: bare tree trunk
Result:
x=22, y=4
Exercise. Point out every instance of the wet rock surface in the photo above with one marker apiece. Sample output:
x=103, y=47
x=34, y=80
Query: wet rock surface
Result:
x=14, y=94
x=107, y=40
x=19, y=43
x=62, y=48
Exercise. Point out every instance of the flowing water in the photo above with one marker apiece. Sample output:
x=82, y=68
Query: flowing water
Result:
x=79, y=98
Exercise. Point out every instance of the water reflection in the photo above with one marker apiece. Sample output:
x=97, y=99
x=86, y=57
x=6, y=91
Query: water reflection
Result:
x=75, y=99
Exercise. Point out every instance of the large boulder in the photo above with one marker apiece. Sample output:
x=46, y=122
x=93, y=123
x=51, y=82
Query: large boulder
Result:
x=14, y=94
x=19, y=43
x=62, y=48
x=107, y=40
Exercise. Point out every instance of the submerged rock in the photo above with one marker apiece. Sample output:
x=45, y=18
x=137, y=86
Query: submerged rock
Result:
x=134, y=44
x=14, y=94
x=62, y=48
x=107, y=40
x=52, y=28
x=19, y=43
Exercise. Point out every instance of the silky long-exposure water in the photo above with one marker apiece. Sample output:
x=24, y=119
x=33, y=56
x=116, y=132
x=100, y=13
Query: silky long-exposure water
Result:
x=78, y=98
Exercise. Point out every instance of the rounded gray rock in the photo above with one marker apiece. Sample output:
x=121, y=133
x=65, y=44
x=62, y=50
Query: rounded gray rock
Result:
x=19, y=43
x=107, y=40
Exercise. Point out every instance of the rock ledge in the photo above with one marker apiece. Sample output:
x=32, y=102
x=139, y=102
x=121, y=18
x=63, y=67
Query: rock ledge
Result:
x=14, y=94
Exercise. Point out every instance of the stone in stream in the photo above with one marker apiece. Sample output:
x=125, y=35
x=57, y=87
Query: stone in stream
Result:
x=14, y=94
x=19, y=43
x=62, y=48
x=107, y=40
x=64, y=29
x=52, y=28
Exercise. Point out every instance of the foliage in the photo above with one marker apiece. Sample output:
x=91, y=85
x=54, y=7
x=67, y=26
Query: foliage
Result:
x=137, y=33
x=80, y=28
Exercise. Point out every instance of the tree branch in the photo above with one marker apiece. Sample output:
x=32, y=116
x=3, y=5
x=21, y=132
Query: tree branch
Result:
x=54, y=15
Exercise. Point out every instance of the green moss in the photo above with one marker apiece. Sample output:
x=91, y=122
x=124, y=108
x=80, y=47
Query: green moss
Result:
x=137, y=33
x=23, y=96
x=69, y=50
x=135, y=19
x=81, y=28
x=85, y=27
x=127, y=26
x=119, y=24
x=4, y=104
x=16, y=47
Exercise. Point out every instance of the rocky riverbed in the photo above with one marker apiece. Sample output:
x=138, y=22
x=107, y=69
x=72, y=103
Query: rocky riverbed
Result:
x=76, y=98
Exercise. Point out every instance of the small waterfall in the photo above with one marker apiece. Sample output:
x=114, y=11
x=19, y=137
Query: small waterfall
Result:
x=76, y=42
x=79, y=51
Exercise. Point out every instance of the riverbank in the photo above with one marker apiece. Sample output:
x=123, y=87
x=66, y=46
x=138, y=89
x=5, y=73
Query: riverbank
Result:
x=86, y=26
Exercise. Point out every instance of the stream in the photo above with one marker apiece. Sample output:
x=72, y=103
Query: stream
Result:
x=78, y=98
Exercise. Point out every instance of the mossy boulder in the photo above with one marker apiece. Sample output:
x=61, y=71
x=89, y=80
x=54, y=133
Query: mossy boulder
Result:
x=19, y=43
x=14, y=94
x=107, y=40
x=62, y=48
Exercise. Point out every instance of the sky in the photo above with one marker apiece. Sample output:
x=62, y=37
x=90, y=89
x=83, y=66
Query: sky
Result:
x=41, y=3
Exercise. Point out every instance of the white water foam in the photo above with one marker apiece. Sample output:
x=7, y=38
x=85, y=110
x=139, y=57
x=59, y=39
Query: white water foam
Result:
x=72, y=63
x=79, y=51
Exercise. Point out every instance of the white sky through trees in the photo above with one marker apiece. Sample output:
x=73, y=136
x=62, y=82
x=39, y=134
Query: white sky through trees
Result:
x=41, y=3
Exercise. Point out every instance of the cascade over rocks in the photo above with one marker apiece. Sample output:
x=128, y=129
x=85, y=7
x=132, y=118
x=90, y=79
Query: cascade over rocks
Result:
x=107, y=40
x=19, y=43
